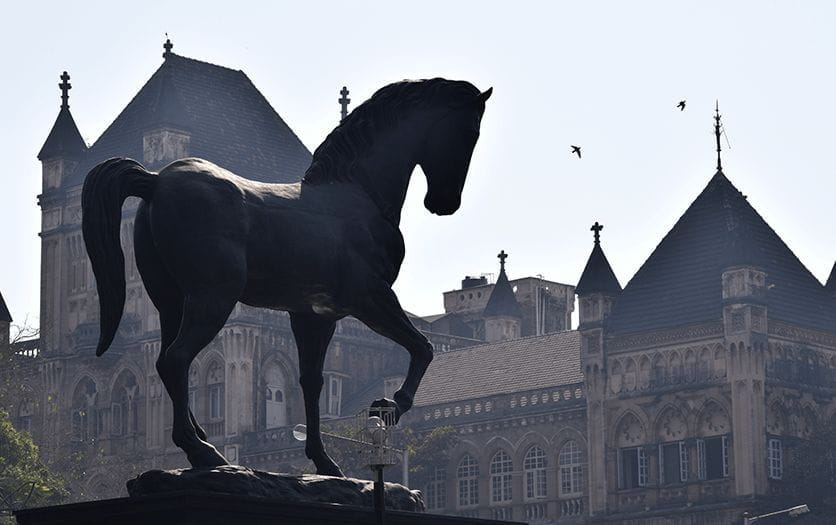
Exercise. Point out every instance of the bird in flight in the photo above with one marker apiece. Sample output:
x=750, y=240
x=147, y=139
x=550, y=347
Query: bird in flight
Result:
x=577, y=149
x=681, y=105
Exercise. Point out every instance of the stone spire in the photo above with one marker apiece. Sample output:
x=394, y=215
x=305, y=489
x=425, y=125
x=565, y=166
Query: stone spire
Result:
x=64, y=140
x=502, y=301
x=597, y=276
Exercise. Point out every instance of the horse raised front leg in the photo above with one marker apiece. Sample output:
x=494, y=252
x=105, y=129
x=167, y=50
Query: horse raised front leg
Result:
x=203, y=316
x=383, y=313
x=313, y=333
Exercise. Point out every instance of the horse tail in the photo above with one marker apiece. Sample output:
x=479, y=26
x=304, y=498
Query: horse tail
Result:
x=105, y=189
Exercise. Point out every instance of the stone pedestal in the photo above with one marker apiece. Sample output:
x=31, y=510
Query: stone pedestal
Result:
x=205, y=508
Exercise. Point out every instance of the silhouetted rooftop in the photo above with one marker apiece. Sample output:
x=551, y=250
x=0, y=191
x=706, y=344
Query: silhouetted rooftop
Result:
x=5, y=316
x=502, y=301
x=64, y=140
x=831, y=281
x=680, y=283
x=597, y=276
x=229, y=120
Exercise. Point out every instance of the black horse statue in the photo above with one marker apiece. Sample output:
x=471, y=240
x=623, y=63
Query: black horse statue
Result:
x=321, y=249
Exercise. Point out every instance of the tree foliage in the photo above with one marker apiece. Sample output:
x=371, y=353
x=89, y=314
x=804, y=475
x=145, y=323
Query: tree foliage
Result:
x=24, y=480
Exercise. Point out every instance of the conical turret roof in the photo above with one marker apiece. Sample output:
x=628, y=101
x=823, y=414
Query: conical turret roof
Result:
x=831, y=281
x=680, y=283
x=597, y=276
x=4, y=311
x=64, y=140
x=502, y=302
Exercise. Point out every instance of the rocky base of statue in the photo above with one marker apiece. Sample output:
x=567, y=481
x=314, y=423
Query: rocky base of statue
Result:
x=283, y=488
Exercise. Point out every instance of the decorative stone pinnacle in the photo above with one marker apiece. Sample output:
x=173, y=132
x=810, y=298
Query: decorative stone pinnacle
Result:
x=65, y=87
x=596, y=229
x=502, y=256
x=344, y=102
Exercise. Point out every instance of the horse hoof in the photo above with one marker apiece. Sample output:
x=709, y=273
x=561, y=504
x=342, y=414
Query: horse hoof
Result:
x=379, y=408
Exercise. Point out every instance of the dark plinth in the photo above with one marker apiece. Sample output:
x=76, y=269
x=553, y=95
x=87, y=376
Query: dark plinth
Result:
x=243, y=481
x=203, y=508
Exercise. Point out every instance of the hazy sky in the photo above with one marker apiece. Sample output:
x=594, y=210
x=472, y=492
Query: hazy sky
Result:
x=604, y=75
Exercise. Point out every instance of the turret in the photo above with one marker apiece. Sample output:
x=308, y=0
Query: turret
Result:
x=597, y=290
x=503, y=314
x=64, y=145
x=167, y=135
x=830, y=286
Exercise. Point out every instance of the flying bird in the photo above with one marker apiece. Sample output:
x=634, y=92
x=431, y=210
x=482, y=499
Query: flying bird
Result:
x=577, y=149
x=681, y=105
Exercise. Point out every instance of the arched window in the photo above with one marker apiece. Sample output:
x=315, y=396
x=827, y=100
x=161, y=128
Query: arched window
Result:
x=124, y=418
x=274, y=397
x=84, y=399
x=571, y=468
x=501, y=469
x=534, y=466
x=436, y=494
x=467, y=476
x=215, y=391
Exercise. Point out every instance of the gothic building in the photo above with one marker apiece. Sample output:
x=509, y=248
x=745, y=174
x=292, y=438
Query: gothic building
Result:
x=677, y=399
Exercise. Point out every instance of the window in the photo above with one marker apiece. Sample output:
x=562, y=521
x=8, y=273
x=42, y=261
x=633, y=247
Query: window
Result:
x=673, y=462
x=467, y=474
x=501, y=468
x=215, y=391
x=776, y=459
x=633, y=465
x=713, y=457
x=534, y=466
x=436, y=495
x=571, y=468
x=330, y=400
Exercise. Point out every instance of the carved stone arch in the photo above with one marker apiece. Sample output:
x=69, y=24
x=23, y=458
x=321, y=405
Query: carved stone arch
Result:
x=660, y=369
x=465, y=448
x=565, y=434
x=528, y=440
x=616, y=376
x=690, y=365
x=630, y=431
x=644, y=372
x=675, y=369
x=804, y=421
x=84, y=385
x=704, y=364
x=496, y=443
x=776, y=419
x=671, y=424
x=131, y=370
x=713, y=419
x=719, y=363
x=630, y=375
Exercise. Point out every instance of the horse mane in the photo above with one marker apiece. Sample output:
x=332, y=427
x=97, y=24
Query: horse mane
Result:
x=335, y=159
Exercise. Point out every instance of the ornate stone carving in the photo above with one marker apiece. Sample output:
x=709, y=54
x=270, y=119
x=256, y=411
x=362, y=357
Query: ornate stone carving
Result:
x=714, y=420
x=665, y=337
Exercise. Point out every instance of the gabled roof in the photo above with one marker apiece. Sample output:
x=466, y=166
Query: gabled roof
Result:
x=5, y=316
x=229, y=120
x=64, y=140
x=830, y=286
x=502, y=302
x=501, y=368
x=597, y=276
x=680, y=283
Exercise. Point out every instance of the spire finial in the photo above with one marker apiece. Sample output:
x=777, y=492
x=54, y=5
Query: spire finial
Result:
x=168, y=46
x=502, y=256
x=596, y=229
x=717, y=130
x=344, y=102
x=65, y=87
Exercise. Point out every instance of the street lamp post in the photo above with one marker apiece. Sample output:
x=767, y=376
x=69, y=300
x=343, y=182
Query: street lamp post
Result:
x=792, y=511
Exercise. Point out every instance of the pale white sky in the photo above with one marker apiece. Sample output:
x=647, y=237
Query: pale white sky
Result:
x=605, y=75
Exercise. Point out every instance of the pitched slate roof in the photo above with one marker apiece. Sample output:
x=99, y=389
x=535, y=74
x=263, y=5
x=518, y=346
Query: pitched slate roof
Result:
x=4, y=311
x=830, y=286
x=229, y=120
x=64, y=139
x=680, y=283
x=502, y=301
x=597, y=276
x=502, y=367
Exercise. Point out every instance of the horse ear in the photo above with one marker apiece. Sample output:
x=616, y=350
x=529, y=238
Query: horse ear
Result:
x=485, y=96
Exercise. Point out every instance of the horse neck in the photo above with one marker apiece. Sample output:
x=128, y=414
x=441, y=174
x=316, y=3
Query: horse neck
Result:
x=388, y=170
